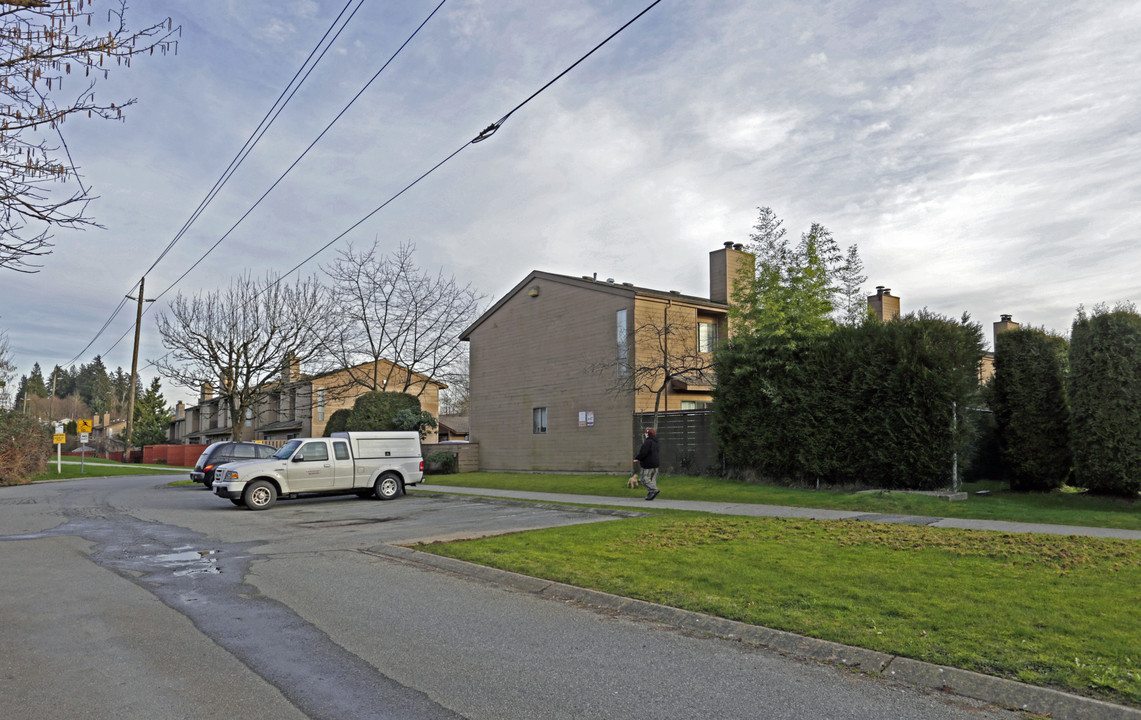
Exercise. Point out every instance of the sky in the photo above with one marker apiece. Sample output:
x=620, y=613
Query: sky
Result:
x=983, y=156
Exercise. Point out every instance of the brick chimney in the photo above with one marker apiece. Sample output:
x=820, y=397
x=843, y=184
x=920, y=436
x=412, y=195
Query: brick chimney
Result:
x=1004, y=323
x=290, y=369
x=884, y=304
x=727, y=267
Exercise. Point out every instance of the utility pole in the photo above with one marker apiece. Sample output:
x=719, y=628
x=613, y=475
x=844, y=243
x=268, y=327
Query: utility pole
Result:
x=134, y=371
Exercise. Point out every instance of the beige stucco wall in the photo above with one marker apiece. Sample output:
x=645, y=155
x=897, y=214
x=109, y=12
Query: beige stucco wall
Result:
x=536, y=352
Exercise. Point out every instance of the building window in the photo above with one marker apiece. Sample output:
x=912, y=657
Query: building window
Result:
x=320, y=405
x=249, y=417
x=539, y=421
x=623, y=345
x=706, y=336
x=695, y=405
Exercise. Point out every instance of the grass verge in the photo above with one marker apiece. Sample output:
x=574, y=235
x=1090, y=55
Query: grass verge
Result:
x=1060, y=508
x=1063, y=612
x=97, y=469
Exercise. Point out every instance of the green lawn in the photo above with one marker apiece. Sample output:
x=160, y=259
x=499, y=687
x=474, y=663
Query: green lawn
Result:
x=101, y=468
x=1050, y=610
x=1062, y=508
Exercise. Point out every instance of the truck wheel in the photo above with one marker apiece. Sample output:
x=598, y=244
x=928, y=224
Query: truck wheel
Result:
x=260, y=495
x=388, y=486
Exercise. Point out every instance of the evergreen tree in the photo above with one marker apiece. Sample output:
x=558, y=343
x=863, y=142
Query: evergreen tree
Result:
x=95, y=386
x=791, y=293
x=35, y=384
x=152, y=417
x=1031, y=413
x=853, y=305
x=1105, y=400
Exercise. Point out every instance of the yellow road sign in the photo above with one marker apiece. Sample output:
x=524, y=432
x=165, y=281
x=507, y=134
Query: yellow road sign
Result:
x=83, y=426
x=59, y=438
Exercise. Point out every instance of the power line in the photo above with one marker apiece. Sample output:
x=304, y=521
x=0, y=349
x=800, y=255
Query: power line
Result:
x=483, y=135
x=262, y=127
x=295, y=162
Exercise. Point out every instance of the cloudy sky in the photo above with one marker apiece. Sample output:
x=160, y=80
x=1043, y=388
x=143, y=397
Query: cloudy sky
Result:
x=984, y=156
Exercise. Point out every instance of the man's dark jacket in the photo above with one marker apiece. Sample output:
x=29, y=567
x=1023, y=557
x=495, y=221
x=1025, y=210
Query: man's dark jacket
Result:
x=648, y=455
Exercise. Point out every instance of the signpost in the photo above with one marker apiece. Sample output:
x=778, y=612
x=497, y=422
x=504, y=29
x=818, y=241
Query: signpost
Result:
x=59, y=439
x=83, y=427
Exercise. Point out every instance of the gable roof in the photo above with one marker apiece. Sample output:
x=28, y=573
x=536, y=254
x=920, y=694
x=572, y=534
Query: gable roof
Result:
x=590, y=283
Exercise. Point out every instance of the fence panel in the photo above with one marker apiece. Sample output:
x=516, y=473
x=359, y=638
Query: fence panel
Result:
x=685, y=439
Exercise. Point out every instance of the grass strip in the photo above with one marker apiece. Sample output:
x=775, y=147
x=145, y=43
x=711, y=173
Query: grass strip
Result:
x=1059, y=508
x=1062, y=612
x=71, y=472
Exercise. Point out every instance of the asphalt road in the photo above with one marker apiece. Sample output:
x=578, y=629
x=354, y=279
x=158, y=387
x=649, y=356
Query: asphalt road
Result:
x=125, y=598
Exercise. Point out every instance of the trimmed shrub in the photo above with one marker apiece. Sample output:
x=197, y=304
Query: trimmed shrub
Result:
x=337, y=422
x=379, y=410
x=25, y=446
x=1030, y=409
x=1105, y=400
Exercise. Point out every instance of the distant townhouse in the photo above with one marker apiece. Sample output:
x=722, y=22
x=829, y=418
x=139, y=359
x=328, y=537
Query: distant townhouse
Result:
x=299, y=405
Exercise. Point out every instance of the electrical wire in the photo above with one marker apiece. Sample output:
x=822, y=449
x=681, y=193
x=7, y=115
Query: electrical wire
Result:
x=294, y=164
x=483, y=135
x=271, y=115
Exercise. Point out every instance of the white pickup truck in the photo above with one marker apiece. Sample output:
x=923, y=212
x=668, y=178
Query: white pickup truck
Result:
x=370, y=464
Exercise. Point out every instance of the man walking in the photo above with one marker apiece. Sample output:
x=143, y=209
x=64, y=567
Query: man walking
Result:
x=648, y=457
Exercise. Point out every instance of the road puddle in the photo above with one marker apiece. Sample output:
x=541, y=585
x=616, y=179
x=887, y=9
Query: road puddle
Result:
x=191, y=562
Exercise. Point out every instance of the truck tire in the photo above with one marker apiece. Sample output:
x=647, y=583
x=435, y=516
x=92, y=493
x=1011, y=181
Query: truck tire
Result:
x=388, y=486
x=259, y=495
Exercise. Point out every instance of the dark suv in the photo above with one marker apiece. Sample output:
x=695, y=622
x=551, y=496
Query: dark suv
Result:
x=221, y=453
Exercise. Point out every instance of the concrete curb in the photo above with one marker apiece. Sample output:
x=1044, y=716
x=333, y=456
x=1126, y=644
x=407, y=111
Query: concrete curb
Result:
x=1006, y=693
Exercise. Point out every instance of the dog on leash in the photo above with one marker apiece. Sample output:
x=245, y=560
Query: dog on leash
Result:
x=632, y=482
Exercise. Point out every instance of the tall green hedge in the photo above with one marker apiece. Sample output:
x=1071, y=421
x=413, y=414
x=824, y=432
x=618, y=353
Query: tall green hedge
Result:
x=1105, y=400
x=880, y=404
x=1030, y=408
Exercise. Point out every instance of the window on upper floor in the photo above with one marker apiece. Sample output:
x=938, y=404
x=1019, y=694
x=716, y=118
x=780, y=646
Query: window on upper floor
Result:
x=539, y=421
x=623, y=361
x=706, y=335
x=320, y=404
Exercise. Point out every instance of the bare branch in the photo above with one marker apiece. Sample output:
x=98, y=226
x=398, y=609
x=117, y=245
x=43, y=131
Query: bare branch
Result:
x=43, y=46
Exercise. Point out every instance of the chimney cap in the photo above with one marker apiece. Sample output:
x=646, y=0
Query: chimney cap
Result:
x=1004, y=318
x=728, y=243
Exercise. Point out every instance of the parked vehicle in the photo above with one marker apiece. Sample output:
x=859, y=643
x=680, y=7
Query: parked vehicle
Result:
x=220, y=453
x=369, y=464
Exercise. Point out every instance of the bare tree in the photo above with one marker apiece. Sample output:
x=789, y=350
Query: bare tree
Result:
x=43, y=47
x=7, y=368
x=238, y=339
x=664, y=349
x=455, y=400
x=390, y=309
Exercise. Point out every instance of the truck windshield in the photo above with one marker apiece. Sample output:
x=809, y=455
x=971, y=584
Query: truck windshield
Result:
x=286, y=450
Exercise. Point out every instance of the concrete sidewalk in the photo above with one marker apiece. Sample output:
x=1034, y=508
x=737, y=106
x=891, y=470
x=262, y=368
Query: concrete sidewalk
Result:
x=755, y=510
